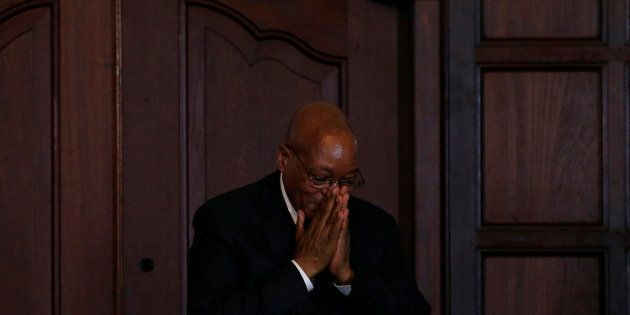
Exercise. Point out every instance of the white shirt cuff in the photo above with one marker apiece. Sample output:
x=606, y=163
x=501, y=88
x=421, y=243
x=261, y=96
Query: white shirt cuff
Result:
x=307, y=281
x=344, y=289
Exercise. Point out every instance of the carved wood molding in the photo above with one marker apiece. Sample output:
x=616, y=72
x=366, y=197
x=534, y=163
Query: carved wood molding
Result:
x=12, y=9
x=273, y=34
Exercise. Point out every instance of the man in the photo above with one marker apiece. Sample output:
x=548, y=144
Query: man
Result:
x=296, y=242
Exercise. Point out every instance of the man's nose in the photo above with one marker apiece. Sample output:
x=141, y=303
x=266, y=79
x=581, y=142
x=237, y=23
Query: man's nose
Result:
x=331, y=186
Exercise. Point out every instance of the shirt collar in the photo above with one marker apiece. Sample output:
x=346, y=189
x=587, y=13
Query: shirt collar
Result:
x=292, y=211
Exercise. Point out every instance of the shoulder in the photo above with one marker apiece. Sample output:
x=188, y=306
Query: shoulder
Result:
x=235, y=206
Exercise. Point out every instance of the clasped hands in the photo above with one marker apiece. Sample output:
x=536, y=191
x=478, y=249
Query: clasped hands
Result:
x=325, y=243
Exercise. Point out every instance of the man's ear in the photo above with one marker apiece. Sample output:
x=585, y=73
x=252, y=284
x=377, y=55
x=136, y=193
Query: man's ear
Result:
x=282, y=158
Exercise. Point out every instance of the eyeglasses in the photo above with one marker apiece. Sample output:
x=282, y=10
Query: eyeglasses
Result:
x=354, y=182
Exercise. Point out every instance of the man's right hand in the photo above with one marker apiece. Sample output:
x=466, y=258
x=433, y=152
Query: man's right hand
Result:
x=316, y=245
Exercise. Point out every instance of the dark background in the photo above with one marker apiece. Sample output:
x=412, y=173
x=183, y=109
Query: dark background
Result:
x=494, y=131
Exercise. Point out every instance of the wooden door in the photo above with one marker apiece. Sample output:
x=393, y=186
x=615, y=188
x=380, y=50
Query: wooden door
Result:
x=57, y=158
x=209, y=87
x=537, y=157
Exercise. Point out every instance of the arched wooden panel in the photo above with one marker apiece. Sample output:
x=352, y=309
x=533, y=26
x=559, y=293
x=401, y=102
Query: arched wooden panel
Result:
x=232, y=68
x=326, y=29
x=26, y=171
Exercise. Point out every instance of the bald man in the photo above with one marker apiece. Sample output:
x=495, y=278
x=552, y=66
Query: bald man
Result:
x=297, y=242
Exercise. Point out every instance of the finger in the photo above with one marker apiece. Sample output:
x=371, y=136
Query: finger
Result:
x=345, y=229
x=335, y=214
x=337, y=226
x=344, y=202
x=325, y=210
x=319, y=213
x=344, y=190
x=346, y=220
x=336, y=223
x=299, y=224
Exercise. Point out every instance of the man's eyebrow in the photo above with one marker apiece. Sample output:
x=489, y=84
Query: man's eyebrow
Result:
x=323, y=169
x=329, y=172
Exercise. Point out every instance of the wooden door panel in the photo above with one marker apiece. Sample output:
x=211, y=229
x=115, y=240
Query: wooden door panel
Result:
x=545, y=285
x=322, y=23
x=89, y=218
x=26, y=162
x=542, y=139
x=56, y=172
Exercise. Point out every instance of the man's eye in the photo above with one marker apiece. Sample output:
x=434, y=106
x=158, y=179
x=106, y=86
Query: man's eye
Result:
x=319, y=180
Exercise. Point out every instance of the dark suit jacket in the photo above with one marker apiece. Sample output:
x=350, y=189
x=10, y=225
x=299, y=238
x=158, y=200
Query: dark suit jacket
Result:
x=240, y=260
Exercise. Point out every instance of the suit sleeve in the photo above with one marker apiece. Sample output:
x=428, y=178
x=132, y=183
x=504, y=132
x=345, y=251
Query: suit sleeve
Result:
x=217, y=285
x=389, y=290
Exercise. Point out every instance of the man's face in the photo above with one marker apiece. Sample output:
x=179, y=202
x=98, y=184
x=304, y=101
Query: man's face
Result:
x=331, y=158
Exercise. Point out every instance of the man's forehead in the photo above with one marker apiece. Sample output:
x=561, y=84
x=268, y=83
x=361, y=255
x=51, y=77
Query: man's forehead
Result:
x=336, y=150
x=313, y=119
x=334, y=144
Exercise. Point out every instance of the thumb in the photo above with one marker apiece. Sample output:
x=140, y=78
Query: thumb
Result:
x=299, y=225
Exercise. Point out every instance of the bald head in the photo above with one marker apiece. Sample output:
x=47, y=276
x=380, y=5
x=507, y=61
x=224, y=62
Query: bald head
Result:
x=320, y=125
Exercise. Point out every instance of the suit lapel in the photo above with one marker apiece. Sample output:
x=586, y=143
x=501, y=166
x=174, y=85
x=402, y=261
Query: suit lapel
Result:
x=279, y=229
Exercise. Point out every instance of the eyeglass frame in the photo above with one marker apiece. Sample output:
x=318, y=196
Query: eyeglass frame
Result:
x=330, y=181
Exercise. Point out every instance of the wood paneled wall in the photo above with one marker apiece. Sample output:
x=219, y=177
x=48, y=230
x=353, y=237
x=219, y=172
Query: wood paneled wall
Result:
x=494, y=131
x=537, y=153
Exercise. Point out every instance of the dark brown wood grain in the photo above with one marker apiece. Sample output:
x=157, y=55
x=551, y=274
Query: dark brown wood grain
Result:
x=540, y=19
x=545, y=285
x=549, y=237
x=544, y=52
x=11, y=7
x=86, y=71
x=321, y=24
x=373, y=96
x=152, y=135
x=26, y=162
x=428, y=151
x=542, y=138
